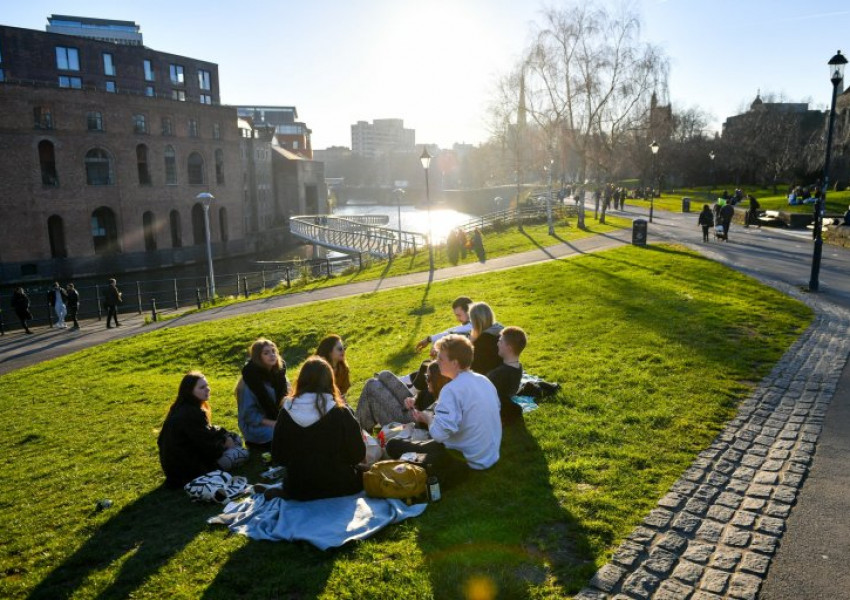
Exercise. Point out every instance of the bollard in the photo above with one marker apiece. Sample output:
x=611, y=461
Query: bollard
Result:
x=288, y=282
x=139, y=295
x=99, y=304
x=49, y=315
x=328, y=265
x=263, y=278
x=2, y=331
x=359, y=261
x=176, y=296
x=245, y=286
x=153, y=310
x=198, y=296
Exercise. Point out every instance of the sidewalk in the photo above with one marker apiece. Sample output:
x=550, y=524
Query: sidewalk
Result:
x=764, y=511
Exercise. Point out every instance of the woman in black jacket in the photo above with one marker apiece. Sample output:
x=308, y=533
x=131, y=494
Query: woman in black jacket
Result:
x=21, y=304
x=189, y=445
x=317, y=438
x=485, y=338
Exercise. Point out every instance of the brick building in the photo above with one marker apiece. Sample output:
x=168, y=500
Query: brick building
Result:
x=104, y=146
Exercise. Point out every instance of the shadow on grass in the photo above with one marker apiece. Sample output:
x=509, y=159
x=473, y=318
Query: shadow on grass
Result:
x=504, y=529
x=142, y=537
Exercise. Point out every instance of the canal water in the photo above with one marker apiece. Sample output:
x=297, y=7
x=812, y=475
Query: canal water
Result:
x=443, y=220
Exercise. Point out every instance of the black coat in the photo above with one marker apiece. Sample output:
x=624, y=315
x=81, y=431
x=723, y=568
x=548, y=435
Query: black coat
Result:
x=188, y=445
x=486, y=350
x=506, y=379
x=73, y=298
x=21, y=304
x=256, y=377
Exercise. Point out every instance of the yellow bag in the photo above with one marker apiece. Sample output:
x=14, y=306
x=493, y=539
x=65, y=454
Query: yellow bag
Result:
x=395, y=479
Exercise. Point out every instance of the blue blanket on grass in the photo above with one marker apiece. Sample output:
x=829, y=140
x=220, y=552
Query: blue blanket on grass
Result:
x=326, y=523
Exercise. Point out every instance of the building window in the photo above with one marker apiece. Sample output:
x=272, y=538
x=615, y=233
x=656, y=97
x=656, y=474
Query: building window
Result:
x=140, y=124
x=295, y=145
x=67, y=59
x=149, y=91
x=204, y=79
x=216, y=131
x=103, y=231
x=94, y=121
x=219, y=167
x=222, y=224
x=176, y=229
x=149, y=229
x=42, y=117
x=167, y=128
x=178, y=95
x=47, y=160
x=70, y=82
x=98, y=167
x=193, y=128
x=170, y=166
x=110, y=87
x=142, y=164
x=176, y=72
x=206, y=99
x=56, y=235
x=149, y=74
x=195, y=166
x=108, y=64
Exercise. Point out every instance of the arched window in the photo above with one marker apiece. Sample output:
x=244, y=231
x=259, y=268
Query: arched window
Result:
x=219, y=167
x=142, y=164
x=98, y=167
x=149, y=227
x=56, y=234
x=196, y=168
x=170, y=166
x=47, y=159
x=176, y=229
x=104, y=231
x=198, y=229
x=222, y=224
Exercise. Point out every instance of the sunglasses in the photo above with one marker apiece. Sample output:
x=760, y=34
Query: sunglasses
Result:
x=341, y=348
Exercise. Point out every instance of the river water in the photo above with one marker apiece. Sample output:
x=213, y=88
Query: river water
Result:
x=443, y=220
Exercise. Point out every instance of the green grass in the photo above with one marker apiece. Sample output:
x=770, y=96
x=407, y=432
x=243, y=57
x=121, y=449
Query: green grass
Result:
x=654, y=348
x=836, y=202
x=496, y=243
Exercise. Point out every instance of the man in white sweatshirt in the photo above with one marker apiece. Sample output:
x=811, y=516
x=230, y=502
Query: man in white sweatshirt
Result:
x=466, y=418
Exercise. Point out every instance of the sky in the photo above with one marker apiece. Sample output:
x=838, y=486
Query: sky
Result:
x=435, y=64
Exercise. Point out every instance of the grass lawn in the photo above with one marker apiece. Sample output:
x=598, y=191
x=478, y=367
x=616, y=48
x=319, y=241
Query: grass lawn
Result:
x=654, y=348
x=496, y=243
x=836, y=202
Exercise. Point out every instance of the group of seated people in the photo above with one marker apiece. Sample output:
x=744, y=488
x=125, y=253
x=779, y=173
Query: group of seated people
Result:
x=462, y=398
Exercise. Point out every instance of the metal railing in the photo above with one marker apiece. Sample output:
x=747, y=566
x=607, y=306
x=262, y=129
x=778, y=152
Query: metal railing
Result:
x=517, y=216
x=355, y=234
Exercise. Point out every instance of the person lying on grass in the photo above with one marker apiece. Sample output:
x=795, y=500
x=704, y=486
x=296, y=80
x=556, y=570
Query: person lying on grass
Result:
x=260, y=392
x=466, y=418
x=317, y=438
x=507, y=376
x=189, y=445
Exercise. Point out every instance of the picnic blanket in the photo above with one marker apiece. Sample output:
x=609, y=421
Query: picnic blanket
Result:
x=326, y=523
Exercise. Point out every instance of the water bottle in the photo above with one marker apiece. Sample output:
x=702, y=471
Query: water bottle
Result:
x=434, y=489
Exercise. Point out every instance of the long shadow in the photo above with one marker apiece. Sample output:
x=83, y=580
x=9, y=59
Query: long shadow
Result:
x=383, y=275
x=505, y=528
x=145, y=535
x=399, y=359
x=540, y=246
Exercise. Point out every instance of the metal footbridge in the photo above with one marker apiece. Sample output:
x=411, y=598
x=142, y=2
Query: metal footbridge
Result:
x=355, y=234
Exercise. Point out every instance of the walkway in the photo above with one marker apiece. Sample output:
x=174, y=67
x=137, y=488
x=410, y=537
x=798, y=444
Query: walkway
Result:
x=764, y=509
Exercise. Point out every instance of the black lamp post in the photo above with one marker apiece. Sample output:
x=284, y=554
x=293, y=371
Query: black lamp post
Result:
x=836, y=75
x=425, y=159
x=654, y=147
x=712, y=155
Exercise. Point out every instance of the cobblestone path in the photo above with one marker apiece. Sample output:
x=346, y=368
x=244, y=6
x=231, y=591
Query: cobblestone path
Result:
x=714, y=534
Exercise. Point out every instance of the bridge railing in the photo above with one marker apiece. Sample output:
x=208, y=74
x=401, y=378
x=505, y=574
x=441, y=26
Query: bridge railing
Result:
x=360, y=233
x=514, y=216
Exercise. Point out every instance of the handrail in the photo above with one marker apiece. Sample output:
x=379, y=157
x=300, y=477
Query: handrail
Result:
x=356, y=233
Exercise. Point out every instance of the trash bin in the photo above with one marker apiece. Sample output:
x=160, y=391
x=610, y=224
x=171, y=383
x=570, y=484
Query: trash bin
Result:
x=686, y=204
x=639, y=232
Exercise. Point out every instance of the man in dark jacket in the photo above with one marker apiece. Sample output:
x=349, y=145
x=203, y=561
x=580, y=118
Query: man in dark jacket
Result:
x=727, y=211
x=113, y=299
x=73, y=304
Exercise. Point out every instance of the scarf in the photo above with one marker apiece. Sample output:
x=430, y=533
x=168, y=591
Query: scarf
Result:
x=256, y=378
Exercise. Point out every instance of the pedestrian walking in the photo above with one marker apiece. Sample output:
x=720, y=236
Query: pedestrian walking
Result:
x=753, y=212
x=727, y=211
x=73, y=304
x=112, y=302
x=58, y=300
x=21, y=304
x=706, y=220
x=478, y=245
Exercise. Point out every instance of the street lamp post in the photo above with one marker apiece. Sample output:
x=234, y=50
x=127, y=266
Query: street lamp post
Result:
x=836, y=75
x=549, y=199
x=399, y=193
x=654, y=147
x=711, y=155
x=425, y=159
x=206, y=198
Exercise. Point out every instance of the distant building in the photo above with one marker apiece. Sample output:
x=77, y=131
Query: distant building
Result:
x=104, y=146
x=742, y=125
x=382, y=136
x=289, y=132
x=105, y=30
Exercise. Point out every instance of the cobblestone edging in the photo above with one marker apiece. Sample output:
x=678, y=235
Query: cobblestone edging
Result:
x=714, y=534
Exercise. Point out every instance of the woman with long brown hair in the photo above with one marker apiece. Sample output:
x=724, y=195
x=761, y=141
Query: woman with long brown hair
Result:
x=189, y=445
x=317, y=438
x=333, y=351
x=260, y=392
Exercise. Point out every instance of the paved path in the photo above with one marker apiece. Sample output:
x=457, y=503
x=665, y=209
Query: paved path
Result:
x=764, y=509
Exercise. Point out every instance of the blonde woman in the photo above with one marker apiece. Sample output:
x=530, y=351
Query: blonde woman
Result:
x=485, y=338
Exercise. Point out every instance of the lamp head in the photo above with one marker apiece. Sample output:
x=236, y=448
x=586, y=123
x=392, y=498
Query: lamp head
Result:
x=654, y=147
x=711, y=155
x=205, y=197
x=425, y=159
x=836, y=68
